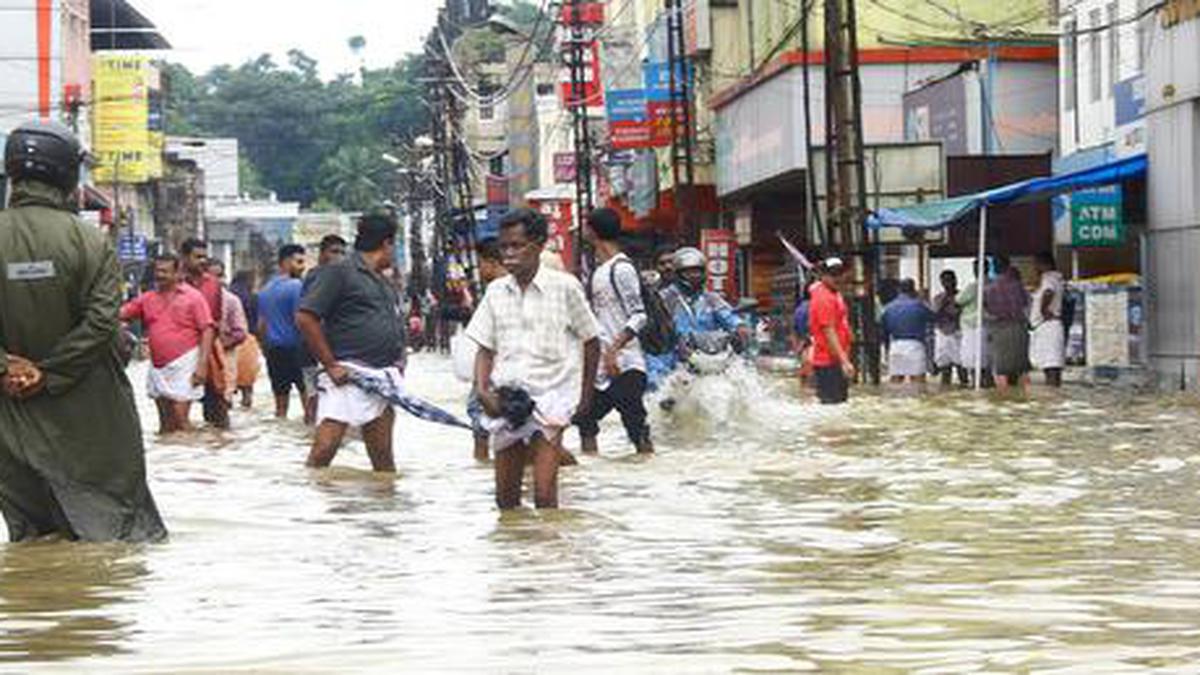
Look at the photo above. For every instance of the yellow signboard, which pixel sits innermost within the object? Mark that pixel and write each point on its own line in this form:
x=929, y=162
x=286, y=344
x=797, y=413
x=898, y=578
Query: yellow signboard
x=124, y=144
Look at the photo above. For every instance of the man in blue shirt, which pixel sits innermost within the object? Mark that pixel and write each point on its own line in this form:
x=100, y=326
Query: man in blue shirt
x=906, y=322
x=278, y=303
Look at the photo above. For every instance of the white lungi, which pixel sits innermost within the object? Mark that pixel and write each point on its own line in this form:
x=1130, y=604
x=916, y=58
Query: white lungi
x=550, y=418
x=969, y=345
x=1048, y=345
x=351, y=405
x=947, y=349
x=907, y=358
x=173, y=381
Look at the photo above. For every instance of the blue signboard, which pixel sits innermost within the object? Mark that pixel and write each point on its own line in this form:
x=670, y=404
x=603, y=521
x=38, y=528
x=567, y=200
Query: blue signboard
x=131, y=248
x=1130, y=99
x=657, y=79
x=626, y=105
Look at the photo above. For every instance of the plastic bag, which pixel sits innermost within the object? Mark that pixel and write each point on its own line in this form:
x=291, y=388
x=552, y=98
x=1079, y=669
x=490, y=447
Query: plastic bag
x=462, y=353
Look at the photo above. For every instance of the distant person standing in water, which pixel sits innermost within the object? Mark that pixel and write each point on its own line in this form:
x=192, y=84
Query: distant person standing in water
x=947, y=334
x=332, y=249
x=181, y=334
x=906, y=322
x=491, y=268
x=1007, y=305
x=829, y=323
x=278, y=303
x=1048, y=343
x=195, y=262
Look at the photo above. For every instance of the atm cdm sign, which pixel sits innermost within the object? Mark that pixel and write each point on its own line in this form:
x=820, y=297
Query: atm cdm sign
x=1096, y=219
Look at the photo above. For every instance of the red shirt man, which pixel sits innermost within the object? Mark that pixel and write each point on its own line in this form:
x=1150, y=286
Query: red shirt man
x=829, y=324
x=175, y=320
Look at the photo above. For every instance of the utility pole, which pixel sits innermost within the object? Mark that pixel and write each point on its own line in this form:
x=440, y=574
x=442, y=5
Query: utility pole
x=845, y=169
x=579, y=44
x=683, y=167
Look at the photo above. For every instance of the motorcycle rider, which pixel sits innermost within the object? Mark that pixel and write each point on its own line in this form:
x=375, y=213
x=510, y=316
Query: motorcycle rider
x=701, y=316
x=72, y=463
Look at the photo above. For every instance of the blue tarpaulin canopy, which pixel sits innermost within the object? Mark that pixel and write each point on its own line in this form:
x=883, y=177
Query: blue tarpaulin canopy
x=940, y=214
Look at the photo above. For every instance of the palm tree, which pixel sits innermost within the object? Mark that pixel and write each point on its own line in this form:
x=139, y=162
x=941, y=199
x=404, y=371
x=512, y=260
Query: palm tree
x=353, y=178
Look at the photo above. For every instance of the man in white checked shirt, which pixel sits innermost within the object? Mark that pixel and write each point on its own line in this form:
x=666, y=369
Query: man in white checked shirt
x=527, y=327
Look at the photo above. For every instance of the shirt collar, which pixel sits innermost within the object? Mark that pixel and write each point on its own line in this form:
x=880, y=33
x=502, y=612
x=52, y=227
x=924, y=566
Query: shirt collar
x=540, y=279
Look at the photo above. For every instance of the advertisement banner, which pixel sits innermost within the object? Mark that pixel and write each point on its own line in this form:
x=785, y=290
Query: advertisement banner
x=656, y=77
x=720, y=247
x=626, y=105
x=497, y=190
x=697, y=27
x=560, y=214
x=123, y=143
x=593, y=94
x=564, y=167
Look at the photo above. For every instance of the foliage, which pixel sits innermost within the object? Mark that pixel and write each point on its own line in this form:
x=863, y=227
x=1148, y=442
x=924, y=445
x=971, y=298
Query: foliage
x=304, y=137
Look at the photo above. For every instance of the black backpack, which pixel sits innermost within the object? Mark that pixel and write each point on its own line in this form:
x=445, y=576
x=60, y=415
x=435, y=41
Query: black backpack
x=658, y=337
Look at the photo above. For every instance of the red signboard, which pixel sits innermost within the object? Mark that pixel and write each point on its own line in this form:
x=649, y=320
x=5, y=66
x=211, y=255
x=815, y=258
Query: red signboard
x=592, y=95
x=560, y=214
x=497, y=190
x=589, y=13
x=720, y=247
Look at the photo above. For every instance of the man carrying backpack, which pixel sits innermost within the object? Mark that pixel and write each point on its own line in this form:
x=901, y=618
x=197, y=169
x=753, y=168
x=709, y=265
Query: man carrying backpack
x=617, y=299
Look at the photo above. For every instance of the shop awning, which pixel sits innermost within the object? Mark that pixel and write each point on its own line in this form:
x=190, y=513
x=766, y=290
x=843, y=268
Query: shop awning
x=946, y=212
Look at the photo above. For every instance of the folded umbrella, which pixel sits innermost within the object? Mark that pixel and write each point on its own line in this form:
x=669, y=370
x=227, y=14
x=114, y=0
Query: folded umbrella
x=388, y=390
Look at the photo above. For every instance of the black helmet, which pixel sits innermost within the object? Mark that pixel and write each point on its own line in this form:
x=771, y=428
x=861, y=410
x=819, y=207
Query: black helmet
x=44, y=151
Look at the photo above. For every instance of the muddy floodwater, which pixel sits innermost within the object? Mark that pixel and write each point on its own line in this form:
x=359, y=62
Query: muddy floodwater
x=943, y=535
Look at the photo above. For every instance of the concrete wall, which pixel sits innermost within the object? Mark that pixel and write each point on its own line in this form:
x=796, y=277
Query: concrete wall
x=1173, y=246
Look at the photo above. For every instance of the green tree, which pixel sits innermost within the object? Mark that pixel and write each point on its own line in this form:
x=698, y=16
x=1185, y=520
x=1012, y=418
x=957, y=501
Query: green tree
x=290, y=123
x=355, y=177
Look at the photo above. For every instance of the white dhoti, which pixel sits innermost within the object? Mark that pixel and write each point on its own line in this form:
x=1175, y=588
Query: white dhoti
x=1048, y=345
x=351, y=405
x=971, y=345
x=173, y=382
x=907, y=358
x=947, y=349
x=551, y=416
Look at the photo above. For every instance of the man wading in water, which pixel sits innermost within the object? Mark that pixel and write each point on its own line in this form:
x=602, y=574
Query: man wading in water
x=526, y=328
x=350, y=319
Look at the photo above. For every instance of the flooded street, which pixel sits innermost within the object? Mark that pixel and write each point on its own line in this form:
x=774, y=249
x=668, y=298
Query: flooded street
x=950, y=534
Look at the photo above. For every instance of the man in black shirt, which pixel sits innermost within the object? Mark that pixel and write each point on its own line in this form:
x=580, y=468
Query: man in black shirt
x=350, y=319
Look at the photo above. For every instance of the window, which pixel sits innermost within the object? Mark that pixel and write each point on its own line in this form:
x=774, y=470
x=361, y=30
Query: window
x=1114, y=48
x=487, y=113
x=1095, y=66
x=545, y=89
x=1070, y=64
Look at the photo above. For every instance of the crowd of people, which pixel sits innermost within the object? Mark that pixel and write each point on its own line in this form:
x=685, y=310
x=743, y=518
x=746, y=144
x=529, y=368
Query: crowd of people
x=1020, y=332
x=547, y=351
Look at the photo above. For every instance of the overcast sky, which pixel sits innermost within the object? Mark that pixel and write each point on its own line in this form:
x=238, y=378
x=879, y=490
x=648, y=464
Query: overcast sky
x=205, y=33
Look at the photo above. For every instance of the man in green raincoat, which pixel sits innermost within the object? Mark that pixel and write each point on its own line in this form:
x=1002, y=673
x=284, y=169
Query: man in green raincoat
x=72, y=462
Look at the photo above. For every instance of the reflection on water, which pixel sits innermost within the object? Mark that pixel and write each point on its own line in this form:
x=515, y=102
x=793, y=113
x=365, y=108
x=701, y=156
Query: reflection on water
x=946, y=534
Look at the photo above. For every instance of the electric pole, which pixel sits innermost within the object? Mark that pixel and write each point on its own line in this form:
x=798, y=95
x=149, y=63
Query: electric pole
x=579, y=44
x=683, y=167
x=845, y=169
